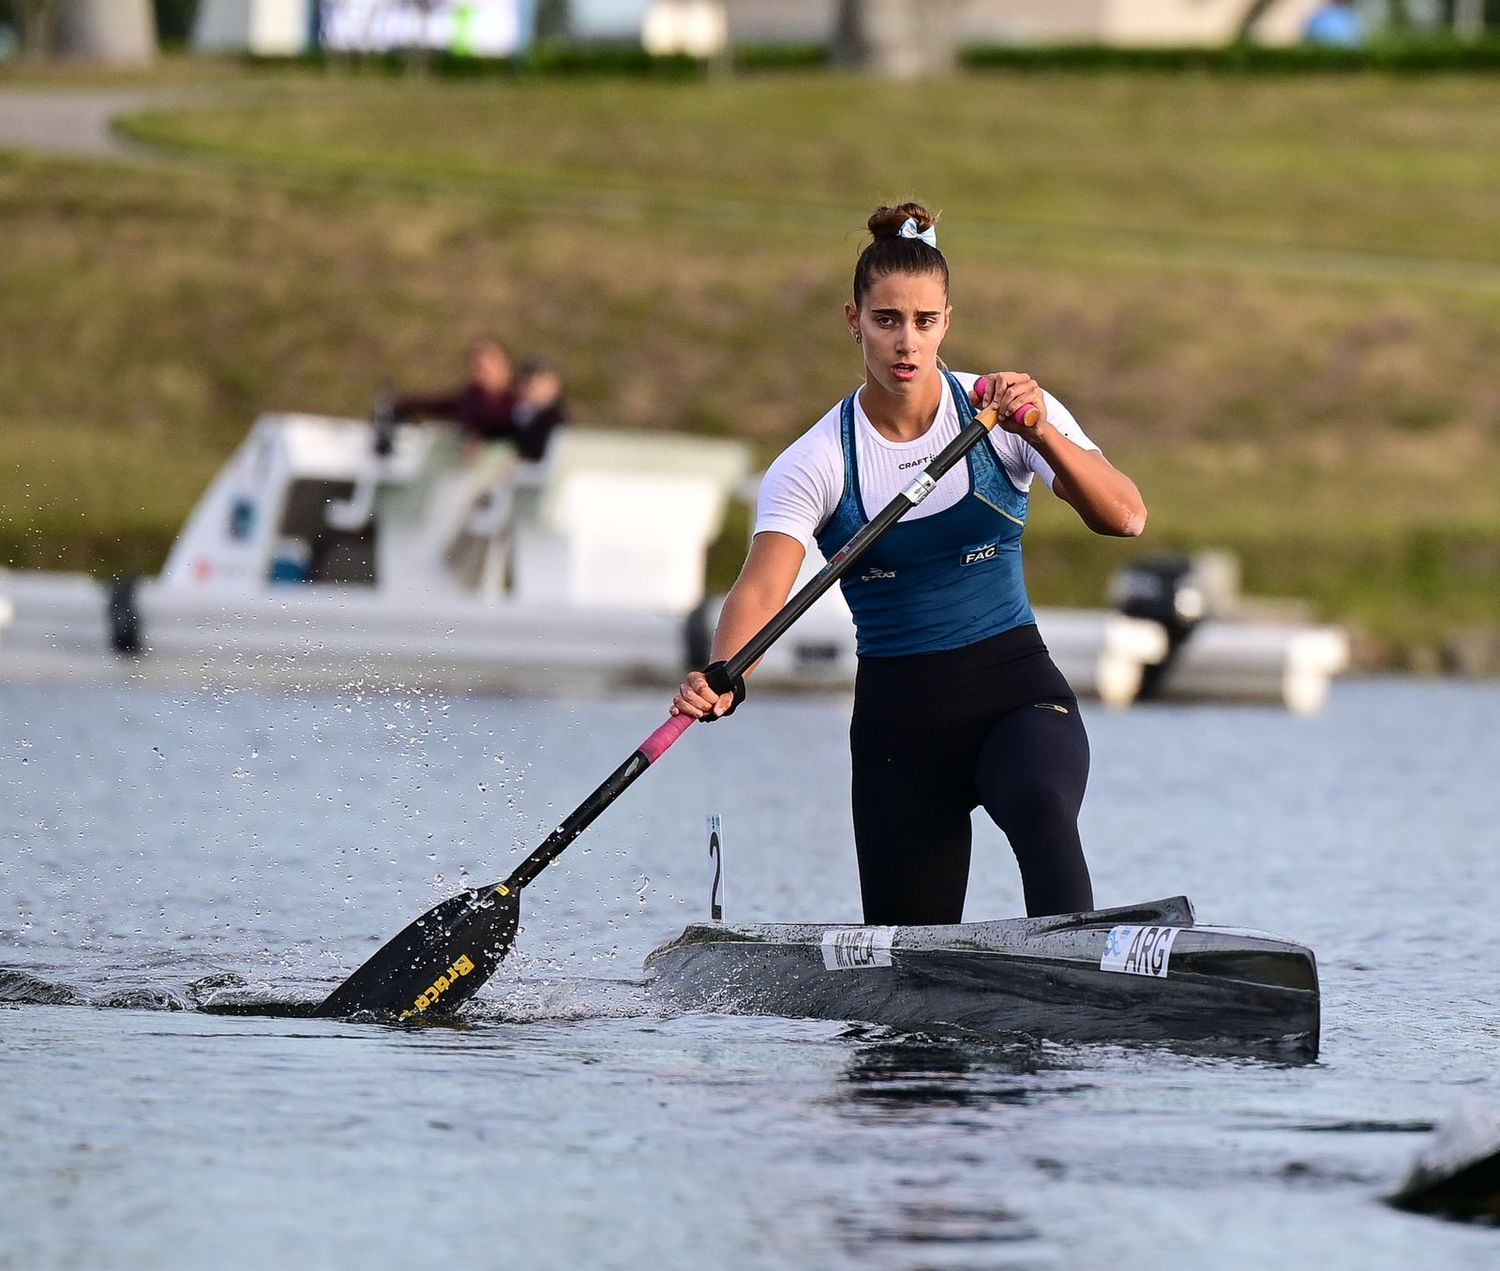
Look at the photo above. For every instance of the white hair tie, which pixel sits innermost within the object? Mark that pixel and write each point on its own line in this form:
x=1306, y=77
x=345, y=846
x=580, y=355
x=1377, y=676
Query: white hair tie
x=909, y=230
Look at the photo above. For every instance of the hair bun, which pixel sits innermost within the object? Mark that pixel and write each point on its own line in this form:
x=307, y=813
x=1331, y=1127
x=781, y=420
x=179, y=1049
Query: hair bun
x=886, y=222
x=903, y=240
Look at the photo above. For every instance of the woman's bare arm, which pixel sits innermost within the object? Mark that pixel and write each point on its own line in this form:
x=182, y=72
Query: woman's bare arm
x=1105, y=499
x=765, y=582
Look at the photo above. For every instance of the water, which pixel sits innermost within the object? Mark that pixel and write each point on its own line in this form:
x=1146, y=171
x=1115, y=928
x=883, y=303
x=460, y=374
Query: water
x=163, y=850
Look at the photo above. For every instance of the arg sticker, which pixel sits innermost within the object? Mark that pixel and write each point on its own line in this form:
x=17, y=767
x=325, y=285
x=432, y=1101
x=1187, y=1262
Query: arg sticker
x=1139, y=950
x=855, y=948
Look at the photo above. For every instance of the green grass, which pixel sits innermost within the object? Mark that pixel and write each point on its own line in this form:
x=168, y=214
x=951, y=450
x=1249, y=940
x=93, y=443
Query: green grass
x=1276, y=302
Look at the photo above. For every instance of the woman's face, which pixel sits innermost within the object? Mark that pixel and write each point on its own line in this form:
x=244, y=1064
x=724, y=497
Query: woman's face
x=901, y=326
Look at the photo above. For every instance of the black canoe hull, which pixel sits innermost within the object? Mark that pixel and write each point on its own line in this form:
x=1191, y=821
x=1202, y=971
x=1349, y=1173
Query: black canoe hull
x=1212, y=989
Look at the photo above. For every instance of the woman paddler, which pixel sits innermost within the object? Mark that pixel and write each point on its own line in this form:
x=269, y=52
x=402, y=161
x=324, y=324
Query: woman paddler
x=957, y=703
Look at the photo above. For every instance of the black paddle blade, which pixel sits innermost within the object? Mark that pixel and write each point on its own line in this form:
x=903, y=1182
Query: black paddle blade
x=438, y=963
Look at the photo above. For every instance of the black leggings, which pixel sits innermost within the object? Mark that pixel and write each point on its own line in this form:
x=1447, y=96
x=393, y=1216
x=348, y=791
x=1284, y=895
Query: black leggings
x=936, y=735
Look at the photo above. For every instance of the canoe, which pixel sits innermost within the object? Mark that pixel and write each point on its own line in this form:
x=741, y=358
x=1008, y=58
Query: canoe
x=1144, y=973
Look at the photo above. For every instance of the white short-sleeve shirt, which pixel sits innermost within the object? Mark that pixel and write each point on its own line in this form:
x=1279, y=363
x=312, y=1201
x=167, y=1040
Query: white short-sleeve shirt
x=802, y=487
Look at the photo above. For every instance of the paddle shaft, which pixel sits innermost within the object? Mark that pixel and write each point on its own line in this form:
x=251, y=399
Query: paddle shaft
x=843, y=560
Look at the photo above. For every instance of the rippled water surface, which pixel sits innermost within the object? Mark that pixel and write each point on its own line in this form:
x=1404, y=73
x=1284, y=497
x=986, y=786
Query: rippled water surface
x=160, y=851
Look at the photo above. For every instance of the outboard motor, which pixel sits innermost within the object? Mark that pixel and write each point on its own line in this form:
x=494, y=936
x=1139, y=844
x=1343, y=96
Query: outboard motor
x=1162, y=589
x=1178, y=592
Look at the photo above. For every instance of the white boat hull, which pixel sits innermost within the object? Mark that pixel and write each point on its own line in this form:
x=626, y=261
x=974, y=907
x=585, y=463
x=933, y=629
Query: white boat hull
x=304, y=637
x=330, y=638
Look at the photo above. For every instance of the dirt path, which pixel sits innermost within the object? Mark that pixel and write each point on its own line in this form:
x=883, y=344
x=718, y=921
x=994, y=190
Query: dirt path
x=66, y=121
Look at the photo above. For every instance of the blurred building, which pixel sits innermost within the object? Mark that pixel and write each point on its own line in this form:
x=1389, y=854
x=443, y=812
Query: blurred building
x=606, y=19
x=281, y=28
x=698, y=28
x=268, y=28
x=475, y=28
x=107, y=32
x=702, y=28
x=1120, y=22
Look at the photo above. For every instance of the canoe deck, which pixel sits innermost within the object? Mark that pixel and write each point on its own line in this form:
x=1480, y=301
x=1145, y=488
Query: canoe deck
x=1142, y=973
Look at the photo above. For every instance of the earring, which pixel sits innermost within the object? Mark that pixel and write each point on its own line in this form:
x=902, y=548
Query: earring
x=856, y=336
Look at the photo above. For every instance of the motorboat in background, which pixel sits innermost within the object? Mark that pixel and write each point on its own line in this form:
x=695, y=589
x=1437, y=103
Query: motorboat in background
x=329, y=552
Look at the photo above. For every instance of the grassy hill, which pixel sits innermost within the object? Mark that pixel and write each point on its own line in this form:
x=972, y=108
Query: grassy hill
x=1275, y=301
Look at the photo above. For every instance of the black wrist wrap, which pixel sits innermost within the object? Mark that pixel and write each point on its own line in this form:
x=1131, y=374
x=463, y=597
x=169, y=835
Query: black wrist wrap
x=719, y=679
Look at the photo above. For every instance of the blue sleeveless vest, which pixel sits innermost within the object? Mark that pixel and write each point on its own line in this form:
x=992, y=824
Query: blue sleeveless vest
x=944, y=581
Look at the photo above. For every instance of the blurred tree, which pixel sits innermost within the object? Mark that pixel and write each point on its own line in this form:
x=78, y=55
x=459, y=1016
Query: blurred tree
x=1253, y=15
x=174, y=20
x=848, y=35
x=553, y=21
x=422, y=57
x=900, y=38
x=33, y=20
x=1467, y=19
x=111, y=32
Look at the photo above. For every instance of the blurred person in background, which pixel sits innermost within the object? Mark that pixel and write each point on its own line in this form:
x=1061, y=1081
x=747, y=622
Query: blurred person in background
x=506, y=418
x=539, y=408
x=1337, y=24
x=496, y=403
x=483, y=406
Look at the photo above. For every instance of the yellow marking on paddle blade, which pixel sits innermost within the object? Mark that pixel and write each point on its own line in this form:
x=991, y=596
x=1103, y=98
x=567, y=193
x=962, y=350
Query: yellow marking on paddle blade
x=462, y=966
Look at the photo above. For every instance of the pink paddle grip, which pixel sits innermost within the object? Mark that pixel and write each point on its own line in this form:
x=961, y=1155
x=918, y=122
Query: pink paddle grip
x=656, y=745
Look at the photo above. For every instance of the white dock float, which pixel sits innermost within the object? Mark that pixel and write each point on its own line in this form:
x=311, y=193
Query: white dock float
x=1102, y=653
x=1275, y=662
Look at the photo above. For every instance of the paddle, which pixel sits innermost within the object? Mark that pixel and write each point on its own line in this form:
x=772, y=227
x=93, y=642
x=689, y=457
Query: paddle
x=443, y=958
